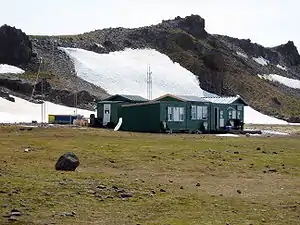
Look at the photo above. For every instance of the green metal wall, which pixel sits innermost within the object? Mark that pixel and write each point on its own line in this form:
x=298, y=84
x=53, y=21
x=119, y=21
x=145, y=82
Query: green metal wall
x=141, y=118
x=180, y=125
x=225, y=108
x=115, y=111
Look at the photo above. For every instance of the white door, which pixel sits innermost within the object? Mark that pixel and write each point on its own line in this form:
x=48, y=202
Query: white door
x=106, y=114
x=222, y=118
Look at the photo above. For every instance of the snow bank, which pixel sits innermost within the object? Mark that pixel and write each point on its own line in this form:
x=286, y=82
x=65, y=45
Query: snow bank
x=271, y=132
x=227, y=135
x=281, y=67
x=25, y=111
x=292, y=83
x=125, y=72
x=241, y=54
x=262, y=61
x=254, y=117
x=4, y=68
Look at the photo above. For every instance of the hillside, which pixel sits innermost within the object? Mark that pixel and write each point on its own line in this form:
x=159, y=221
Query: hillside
x=223, y=65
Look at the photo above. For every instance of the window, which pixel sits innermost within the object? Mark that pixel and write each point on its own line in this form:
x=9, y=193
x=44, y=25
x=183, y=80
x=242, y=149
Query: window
x=194, y=112
x=176, y=114
x=231, y=113
x=199, y=112
x=239, y=115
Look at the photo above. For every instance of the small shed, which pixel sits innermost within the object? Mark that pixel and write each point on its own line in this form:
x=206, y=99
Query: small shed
x=108, y=110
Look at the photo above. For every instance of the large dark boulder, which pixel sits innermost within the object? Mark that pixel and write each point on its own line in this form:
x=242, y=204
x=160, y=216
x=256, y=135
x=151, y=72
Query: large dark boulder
x=195, y=25
x=15, y=46
x=67, y=162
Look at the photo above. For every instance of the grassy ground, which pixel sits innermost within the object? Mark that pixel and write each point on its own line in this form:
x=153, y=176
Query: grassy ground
x=235, y=185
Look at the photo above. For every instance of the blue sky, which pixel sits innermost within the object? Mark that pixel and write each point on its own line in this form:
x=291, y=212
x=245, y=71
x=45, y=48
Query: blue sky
x=268, y=22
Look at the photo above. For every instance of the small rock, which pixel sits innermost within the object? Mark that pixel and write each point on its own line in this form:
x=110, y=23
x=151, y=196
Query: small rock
x=112, y=161
x=110, y=197
x=275, y=153
x=101, y=187
x=15, y=212
x=198, y=185
x=91, y=192
x=71, y=214
x=5, y=205
x=239, y=191
x=181, y=187
x=67, y=162
x=170, y=181
x=258, y=148
x=236, y=152
x=115, y=187
x=120, y=190
x=273, y=170
x=264, y=152
x=126, y=195
x=240, y=159
x=153, y=192
x=162, y=190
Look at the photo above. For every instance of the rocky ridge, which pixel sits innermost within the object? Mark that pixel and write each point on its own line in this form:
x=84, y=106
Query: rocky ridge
x=215, y=59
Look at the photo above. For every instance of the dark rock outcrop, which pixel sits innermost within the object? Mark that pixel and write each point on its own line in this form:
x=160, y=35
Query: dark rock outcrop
x=290, y=53
x=67, y=162
x=15, y=46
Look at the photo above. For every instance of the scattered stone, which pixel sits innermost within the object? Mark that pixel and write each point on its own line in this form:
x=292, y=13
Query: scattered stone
x=2, y=192
x=258, y=148
x=126, y=195
x=247, y=135
x=12, y=218
x=5, y=205
x=120, y=190
x=273, y=170
x=240, y=159
x=275, y=153
x=101, y=187
x=181, y=187
x=153, y=192
x=91, y=192
x=236, y=152
x=71, y=214
x=15, y=191
x=115, y=187
x=264, y=171
x=264, y=152
x=67, y=162
x=111, y=197
x=198, y=185
x=112, y=161
x=170, y=181
x=162, y=190
x=239, y=191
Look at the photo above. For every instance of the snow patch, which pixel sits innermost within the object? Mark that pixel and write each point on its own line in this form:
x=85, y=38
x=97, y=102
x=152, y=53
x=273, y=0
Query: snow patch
x=281, y=67
x=125, y=72
x=99, y=45
x=254, y=117
x=4, y=68
x=242, y=54
x=271, y=132
x=292, y=83
x=227, y=135
x=24, y=111
x=262, y=61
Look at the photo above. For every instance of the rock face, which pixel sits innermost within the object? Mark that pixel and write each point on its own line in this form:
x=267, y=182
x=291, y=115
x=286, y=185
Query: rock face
x=223, y=65
x=15, y=46
x=67, y=162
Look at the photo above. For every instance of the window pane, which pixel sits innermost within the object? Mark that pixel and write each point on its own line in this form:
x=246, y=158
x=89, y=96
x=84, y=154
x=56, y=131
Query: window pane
x=233, y=114
x=176, y=114
x=194, y=112
x=204, y=116
x=181, y=116
x=199, y=112
x=170, y=113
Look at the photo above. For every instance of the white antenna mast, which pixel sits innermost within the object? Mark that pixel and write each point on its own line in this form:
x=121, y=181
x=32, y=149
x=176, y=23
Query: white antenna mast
x=149, y=83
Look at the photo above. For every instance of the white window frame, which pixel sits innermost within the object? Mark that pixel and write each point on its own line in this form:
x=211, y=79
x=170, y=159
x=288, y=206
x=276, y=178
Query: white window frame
x=176, y=114
x=199, y=112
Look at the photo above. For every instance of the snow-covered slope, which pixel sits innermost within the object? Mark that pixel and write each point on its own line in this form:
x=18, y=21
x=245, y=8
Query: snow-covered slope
x=293, y=83
x=125, y=72
x=4, y=68
x=254, y=117
x=25, y=111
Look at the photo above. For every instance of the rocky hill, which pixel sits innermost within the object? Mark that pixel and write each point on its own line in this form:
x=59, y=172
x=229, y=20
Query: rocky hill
x=223, y=65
